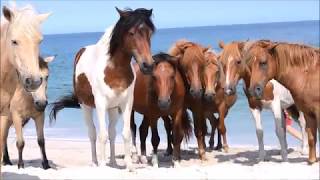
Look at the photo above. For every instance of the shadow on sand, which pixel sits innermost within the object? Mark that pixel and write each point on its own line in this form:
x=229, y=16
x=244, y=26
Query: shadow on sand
x=15, y=176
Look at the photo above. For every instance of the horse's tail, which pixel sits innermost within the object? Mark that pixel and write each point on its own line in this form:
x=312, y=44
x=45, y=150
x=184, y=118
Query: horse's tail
x=69, y=101
x=186, y=125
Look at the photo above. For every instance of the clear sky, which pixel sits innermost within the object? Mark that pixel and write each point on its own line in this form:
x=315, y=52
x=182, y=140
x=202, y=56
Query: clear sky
x=71, y=16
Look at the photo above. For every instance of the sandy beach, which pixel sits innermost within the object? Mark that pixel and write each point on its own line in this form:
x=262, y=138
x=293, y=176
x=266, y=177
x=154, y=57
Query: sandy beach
x=70, y=159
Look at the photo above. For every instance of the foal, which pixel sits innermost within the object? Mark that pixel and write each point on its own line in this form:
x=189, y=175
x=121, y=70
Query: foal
x=161, y=94
x=215, y=101
x=23, y=106
x=276, y=97
x=104, y=79
x=296, y=67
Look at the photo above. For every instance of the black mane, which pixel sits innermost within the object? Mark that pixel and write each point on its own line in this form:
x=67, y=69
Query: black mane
x=164, y=57
x=132, y=19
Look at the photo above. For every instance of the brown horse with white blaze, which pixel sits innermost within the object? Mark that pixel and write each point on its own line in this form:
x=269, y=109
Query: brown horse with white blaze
x=158, y=95
x=295, y=66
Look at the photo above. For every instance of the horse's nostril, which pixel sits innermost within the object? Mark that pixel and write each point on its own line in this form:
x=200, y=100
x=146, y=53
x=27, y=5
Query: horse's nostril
x=28, y=81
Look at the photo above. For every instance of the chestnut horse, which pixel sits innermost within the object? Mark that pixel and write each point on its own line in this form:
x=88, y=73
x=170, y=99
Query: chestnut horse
x=191, y=64
x=104, y=79
x=25, y=105
x=295, y=66
x=215, y=100
x=275, y=97
x=161, y=94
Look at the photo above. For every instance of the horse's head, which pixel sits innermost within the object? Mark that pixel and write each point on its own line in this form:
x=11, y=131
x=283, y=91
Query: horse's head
x=234, y=66
x=213, y=75
x=23, y=39
x=192, y=61
x=39, y=96
x=262, y=66
x=132, y=34
x=163, y=74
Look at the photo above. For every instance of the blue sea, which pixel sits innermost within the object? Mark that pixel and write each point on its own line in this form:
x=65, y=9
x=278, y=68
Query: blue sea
x=239, y=122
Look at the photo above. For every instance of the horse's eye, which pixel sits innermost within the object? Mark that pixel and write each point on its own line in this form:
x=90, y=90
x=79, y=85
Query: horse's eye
x=14, y=42
x=131, y=33
x=238, y=62
x=263, y=64
x=47, y=77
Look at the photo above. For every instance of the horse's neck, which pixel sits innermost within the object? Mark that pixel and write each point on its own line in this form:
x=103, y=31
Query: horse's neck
x=246, y=78
x=121, y=59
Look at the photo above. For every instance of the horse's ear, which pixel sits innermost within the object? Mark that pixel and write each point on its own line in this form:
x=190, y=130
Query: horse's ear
x=149, y=13
x=8, y=14
x=49, y=59
x=122, y=13
x=241, y=46
x=43, y=17
x=221, y=44
x=206, y=49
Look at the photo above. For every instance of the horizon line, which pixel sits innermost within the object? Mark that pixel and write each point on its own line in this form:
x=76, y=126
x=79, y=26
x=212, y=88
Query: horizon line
x=275, y=22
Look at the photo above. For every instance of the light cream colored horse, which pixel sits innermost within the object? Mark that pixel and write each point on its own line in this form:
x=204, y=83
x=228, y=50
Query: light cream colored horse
x=23, y=106
x=20, y=39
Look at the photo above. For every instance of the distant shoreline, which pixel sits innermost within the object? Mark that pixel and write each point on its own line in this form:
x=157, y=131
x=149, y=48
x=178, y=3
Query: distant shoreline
x=209, y=26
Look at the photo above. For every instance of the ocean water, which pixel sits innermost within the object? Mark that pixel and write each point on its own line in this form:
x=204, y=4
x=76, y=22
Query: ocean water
x=239, y=122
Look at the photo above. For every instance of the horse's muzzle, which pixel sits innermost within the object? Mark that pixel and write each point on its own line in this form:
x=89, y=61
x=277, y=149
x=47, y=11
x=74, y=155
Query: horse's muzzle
x=209, y=96
x=164, y=104
x=40, y=105
x=256, y=91
x=230, y=90
x=197, y=94
x=146, y=68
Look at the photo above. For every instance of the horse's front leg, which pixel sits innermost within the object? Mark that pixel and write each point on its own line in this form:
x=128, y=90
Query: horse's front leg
x=39, y=120
x=113, y=119
x=168, y=127
x=222, y=127
x=280, y=129
x=5, y=126
x=256, y=113
x=304, y=143
x=155, y=140
x=177, y=132
x=133, y=127
x=101, y=104
x=17, y=122
x=126, y=108
x=199, y=131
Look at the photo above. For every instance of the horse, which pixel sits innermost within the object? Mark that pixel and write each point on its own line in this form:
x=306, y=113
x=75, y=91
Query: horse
x=20, y=39
x=25, y=105
x=191, y=62
x=104, y=79
x=215, y=101
x=296, y=67
x=276, y=98
x=158, y=95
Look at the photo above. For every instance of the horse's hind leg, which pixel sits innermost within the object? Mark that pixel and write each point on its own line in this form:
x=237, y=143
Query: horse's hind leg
x=168, y=127
x=5, y=126
x=113, y=118
x=304, y=144
x=17, y=122
x=312, y=138
x=133, y=127
x=87, y=112
x=41, y=142
x=256, y=113
x=143, y=131
x=155, y=140
x=280, y=129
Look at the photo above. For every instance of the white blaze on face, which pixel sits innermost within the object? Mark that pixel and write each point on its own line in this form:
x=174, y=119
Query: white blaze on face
x=229, y=60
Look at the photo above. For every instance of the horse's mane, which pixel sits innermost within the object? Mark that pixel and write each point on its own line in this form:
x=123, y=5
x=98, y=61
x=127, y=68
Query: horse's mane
x=42, y=63
x=105, y=38
x=134, y=18
x=164, y=57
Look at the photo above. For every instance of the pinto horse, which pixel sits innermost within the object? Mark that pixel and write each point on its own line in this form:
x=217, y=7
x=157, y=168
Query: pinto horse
x=215, y=101
x=191, y=63
x=276, y=97
x=296, y=67
x=104, y=79
x=161, y=94
x=25, y=105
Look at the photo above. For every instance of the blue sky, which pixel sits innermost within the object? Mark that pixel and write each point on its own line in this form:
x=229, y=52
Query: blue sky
x=94, y=16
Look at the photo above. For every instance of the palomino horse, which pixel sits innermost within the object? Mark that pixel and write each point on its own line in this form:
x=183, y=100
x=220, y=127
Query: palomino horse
x=104, y=78
x=161, y=94
x=215, y=101
x=23, y=106
x=191, y=63
x=275, y=97
x=20, y=38
x=296, y=67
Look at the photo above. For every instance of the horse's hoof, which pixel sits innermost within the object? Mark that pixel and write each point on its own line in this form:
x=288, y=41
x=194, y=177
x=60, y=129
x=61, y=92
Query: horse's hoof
x=7, y=162
x=113, y=163
x=130, y=167
x=45, y=165
x=176, y=164
x=218, y=147
x=311, y=161
x=102, y=163
x=154, y=161
x=225, y=148
x=144, y=159
x=135, y=158
x=20, y=165
x=94, y=164
x=168, y=152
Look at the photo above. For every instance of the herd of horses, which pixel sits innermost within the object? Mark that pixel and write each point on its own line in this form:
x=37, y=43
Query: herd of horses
x=189, y=76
